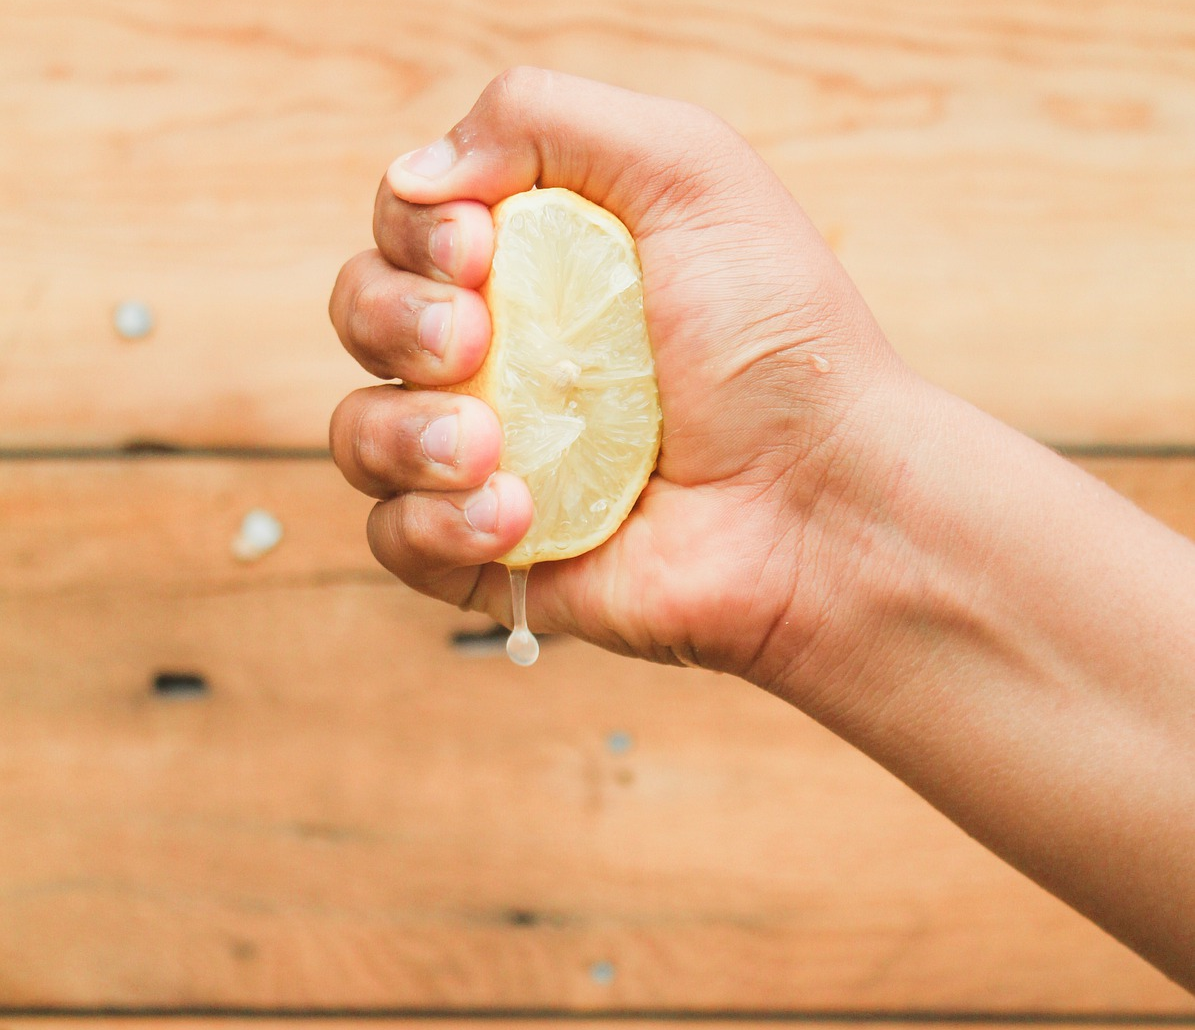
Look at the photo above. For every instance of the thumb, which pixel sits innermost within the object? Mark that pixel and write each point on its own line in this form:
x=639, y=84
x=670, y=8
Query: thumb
x=622, y=150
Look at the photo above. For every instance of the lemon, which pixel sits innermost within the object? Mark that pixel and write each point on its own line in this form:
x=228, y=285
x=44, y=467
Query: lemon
x=569, y=370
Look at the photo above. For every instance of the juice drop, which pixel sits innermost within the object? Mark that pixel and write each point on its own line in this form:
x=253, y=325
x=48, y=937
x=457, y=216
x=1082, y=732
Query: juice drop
x=521, y=647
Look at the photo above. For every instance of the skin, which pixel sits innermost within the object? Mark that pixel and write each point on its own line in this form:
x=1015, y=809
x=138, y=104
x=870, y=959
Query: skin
x=1000, y=630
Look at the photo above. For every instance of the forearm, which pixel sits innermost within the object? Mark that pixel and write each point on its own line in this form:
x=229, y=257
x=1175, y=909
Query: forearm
x=1031, y=672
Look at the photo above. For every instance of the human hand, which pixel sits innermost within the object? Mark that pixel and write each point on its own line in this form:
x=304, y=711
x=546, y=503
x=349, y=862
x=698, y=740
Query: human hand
x=773, y=378
x=935, y=587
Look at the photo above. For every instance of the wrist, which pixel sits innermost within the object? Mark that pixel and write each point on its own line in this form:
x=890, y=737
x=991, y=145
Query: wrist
x=1021, y=655
x=898, y=549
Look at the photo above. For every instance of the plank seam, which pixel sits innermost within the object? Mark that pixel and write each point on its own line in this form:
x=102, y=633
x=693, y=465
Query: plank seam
x=877, y=1017
x=156, y=451
x=1125, y=451
x=164, y=451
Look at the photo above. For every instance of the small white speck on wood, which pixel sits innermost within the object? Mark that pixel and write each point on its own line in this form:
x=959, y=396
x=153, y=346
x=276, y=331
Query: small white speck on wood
x=259, y=534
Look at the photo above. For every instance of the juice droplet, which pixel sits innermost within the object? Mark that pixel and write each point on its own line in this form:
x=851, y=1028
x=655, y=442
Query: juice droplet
x=521, y=647
x=819, y=362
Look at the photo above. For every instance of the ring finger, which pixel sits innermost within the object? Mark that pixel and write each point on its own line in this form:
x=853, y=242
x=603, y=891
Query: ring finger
x=386, y=440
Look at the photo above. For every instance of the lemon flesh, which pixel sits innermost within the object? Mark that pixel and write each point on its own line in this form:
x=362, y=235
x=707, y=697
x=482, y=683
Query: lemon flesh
x=569, y=370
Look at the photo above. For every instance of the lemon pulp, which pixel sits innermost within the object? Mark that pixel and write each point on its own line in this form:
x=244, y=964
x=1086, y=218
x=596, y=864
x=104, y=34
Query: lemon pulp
x=569, y=372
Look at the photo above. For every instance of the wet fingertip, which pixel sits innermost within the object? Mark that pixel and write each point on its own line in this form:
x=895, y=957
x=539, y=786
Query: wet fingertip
x=471, y=339
x=515, y=504
x=481, y=510
x=395, y=180
x=414, y=174
x=478, y=459
x=474, y=244
x=501, y=508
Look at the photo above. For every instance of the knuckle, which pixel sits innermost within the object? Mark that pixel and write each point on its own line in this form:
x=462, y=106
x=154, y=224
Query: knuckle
x=336, y=294
x=709, y=122
x=383, y=533
x=712, y=139
x=368, y=438
x=362, y=308
x=398, y=536
x=378, y=222
x=384, y=203
x=337, y=431
x=412, y=532
x=341, y=301
x=516, y=89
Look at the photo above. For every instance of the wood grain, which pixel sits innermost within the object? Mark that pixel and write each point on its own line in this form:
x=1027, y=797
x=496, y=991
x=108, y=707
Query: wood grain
x=1010, y=183
x=354, y=815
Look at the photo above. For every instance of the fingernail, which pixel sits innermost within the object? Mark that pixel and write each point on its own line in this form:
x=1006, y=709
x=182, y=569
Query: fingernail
x=439, y=439
x=435, y=323
x=442, y=245
x=428, y=162
x=481, y=512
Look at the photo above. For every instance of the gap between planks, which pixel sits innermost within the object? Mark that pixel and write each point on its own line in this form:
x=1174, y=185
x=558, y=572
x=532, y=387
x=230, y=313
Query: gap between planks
x=199, y=1018
x=159, y=451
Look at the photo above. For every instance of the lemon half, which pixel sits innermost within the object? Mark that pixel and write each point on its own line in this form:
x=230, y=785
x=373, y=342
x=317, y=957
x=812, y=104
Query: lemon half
x=569, y=370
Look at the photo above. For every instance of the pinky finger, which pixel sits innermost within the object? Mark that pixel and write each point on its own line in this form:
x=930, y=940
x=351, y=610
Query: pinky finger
x=437, y=542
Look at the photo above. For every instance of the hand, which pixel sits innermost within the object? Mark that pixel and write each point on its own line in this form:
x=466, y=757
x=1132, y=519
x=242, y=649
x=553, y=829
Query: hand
x=998, y=629
x=764, y=354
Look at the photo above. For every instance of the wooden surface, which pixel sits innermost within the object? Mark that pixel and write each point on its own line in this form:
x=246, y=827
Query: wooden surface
x=1009, y=182
x=356, y=816
x=487, y=1023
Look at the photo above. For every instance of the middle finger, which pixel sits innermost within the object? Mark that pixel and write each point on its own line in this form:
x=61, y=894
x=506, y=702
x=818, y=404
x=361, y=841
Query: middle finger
x=399, y=325
x=451, y=242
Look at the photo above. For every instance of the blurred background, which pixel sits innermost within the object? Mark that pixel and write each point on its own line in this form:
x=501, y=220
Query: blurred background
x=244, y=774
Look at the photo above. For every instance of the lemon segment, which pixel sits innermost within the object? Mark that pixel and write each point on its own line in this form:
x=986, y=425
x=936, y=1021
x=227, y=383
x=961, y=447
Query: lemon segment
x=569, y=370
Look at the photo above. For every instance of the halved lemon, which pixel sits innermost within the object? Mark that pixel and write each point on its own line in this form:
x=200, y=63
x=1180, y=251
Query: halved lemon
x=569, y=370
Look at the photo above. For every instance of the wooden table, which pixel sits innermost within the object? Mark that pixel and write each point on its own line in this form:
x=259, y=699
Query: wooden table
x=289, y=787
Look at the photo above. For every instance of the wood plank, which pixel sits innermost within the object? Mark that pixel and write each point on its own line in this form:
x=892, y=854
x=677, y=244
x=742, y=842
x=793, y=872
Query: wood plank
x=736, y=1021
x=354, y=815
x=1009, y=183
x=438, y=1023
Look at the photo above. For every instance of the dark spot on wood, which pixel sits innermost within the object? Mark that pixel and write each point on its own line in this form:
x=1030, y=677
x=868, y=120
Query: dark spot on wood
x=179, y=685
x=139, y=447
x=485, y=642
x=480, y=642
x=242, y=950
